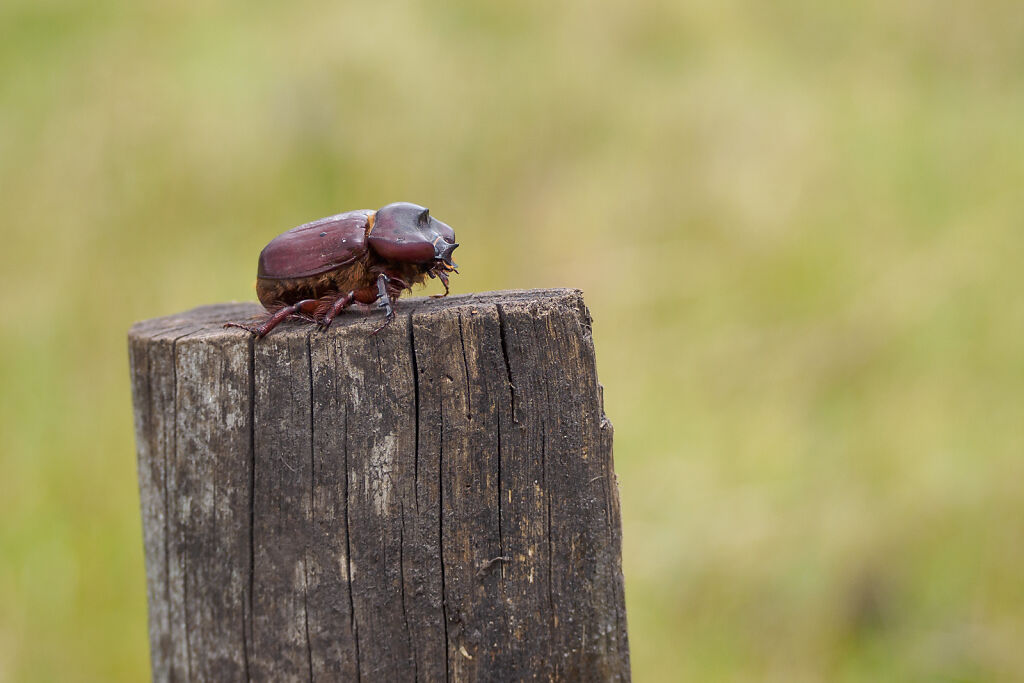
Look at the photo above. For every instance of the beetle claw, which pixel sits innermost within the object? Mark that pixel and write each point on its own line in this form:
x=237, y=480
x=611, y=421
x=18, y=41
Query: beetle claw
x=388, y=317
x=389, y=311
x=247, y=328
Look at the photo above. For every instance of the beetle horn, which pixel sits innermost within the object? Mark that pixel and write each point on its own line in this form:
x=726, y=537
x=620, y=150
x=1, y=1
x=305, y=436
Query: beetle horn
x=443, y=251
x=425, y=217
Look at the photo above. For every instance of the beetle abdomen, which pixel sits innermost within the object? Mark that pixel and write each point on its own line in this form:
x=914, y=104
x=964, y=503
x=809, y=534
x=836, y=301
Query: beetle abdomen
x=314, y=248
x=274, y=292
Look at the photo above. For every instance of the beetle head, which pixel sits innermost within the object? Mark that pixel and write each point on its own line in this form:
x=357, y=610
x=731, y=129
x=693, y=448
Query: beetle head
x=407, y=233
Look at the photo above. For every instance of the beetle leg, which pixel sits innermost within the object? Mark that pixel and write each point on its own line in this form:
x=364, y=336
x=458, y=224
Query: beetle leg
x=387, y=321
x=443, y=277
x=336, y=307
x=396, y=283
x=384, y=300
x=306, y=306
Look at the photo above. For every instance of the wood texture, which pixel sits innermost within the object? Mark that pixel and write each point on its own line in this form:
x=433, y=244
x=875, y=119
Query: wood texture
x=434, y=502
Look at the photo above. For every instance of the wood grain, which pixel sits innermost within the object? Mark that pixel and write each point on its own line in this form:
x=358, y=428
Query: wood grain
x=434, y=502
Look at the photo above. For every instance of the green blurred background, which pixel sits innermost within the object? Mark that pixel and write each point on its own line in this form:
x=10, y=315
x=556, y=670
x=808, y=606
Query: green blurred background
x=797, y=225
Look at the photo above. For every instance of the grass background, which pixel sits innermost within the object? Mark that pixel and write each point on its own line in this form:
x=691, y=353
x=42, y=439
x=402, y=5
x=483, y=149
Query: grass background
x=797, y=225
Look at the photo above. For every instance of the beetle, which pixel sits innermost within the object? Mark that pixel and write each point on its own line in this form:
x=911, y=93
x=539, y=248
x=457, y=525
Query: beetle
x=315, y=270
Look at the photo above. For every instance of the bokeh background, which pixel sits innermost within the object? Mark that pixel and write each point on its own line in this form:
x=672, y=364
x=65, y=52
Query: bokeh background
x=798, y=228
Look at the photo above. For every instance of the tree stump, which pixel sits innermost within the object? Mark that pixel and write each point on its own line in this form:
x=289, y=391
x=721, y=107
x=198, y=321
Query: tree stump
x=433, y=502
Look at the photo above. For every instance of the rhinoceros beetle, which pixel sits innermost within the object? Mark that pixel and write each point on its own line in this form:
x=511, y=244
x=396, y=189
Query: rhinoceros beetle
x=315, y=270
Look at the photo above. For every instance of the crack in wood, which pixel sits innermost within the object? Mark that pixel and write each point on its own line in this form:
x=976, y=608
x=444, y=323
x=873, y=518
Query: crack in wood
x=416, y=402
x=348, y=548
x=502, y=327
x=440, y=535
x=312, y=509
x=465, y=367
x=401, y=568
x=180, y=547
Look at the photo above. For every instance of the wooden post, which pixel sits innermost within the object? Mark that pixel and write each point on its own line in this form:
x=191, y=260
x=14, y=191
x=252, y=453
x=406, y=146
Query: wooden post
x=434, y=502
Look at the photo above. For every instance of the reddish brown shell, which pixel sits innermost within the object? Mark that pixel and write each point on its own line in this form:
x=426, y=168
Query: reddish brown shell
x=407, y=233
x=313, y=248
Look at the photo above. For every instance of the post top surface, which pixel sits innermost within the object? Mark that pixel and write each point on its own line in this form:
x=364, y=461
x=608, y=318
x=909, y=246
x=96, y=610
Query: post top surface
x=207, y=321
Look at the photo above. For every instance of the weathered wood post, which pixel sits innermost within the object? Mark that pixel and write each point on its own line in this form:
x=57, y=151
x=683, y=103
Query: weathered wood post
x=434, y=502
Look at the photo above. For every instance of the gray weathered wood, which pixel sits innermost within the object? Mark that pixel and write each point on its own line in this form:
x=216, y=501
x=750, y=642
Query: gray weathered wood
x=434, y=502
